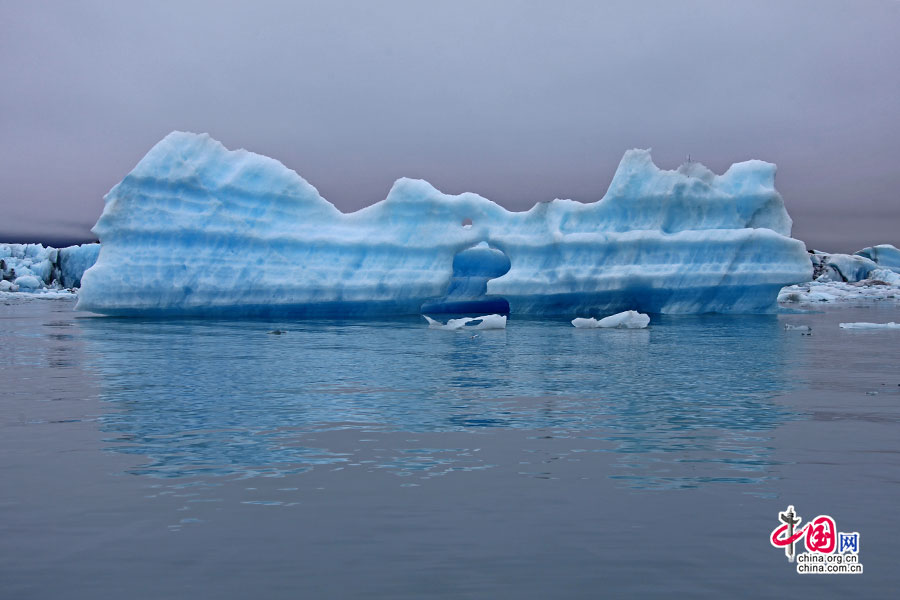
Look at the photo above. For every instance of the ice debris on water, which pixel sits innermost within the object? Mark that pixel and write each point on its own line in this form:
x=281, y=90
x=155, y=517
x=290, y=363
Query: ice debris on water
x=863, y=325
x=484, y=322
x=630, y=319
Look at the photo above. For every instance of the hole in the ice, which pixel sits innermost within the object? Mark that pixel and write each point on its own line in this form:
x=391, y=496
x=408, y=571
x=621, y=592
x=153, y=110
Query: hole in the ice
x=467, y=292
x=467, y=223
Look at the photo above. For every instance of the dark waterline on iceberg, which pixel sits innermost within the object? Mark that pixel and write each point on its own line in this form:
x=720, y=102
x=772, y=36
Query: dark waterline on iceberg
x=352, y=459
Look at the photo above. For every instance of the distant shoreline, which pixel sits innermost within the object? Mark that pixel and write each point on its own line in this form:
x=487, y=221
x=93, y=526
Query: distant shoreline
x=52, y=241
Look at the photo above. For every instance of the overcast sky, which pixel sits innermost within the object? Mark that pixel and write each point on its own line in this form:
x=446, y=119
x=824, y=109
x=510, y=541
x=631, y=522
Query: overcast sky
x=517, y=101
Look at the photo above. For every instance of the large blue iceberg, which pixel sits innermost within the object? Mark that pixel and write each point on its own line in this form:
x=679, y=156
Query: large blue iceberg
x=196, y=229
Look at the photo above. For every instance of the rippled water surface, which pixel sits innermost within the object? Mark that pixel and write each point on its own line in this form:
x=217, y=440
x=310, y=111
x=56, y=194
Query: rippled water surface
x=186, y=458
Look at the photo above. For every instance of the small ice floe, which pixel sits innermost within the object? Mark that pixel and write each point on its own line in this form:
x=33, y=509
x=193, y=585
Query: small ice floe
x=803, y=328
x=890, y=325
x=630, y=319
x=484, y=322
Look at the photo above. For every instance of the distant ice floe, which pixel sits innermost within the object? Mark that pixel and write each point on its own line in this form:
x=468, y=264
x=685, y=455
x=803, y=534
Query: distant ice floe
x=789, y=327
x=484, y=322
x=890, y=325
x=630, y=319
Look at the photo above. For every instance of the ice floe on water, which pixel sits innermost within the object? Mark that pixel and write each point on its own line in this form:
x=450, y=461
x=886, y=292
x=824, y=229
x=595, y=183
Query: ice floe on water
x=630, y=319
x=890, y=325
x=483, y=322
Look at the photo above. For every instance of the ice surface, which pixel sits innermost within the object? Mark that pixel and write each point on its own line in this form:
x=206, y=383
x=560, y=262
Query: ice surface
x=789, y=327
x=483, y=322
x=630, y=319
x=884, y=255
x=198, y=229
x=890, y=325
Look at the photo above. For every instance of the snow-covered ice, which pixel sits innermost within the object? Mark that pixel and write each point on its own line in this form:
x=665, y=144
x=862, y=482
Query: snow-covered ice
x=483, y=322
x=198, y=229
x=890, y=325
x=629, y=319
x=790, y=327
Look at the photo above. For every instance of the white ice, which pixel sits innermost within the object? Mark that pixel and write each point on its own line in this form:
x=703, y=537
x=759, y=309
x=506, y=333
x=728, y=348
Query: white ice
x=630, y=319
x=890, y=325
x=483, y=322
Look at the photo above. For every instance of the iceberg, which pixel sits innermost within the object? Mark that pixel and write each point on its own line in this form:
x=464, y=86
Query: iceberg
x=630, y=319
x=196, y=229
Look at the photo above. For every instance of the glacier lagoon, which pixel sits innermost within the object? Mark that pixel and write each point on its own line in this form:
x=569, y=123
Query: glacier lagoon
x=387, y=460
x=386, y=456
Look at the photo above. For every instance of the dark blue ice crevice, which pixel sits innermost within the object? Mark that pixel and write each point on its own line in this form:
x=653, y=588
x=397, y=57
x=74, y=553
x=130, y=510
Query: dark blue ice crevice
x=467, y=292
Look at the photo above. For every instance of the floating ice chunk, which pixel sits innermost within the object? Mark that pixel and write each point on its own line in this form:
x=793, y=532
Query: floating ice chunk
x=630, y=319
x=890, y=325
x=8, y=286
x=485, y=322
x=789, y=327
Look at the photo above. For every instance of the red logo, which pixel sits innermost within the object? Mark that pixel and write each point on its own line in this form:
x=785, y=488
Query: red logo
x=821, y=533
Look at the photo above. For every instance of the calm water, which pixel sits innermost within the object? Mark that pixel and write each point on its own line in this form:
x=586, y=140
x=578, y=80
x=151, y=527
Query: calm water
x=185, y=459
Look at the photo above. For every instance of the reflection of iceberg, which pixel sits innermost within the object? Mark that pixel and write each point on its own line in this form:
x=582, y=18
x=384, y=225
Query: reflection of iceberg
x=197, y=230
x=226, y=398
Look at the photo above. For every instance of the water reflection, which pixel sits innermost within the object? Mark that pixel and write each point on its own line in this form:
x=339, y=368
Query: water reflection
x=681, y=404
